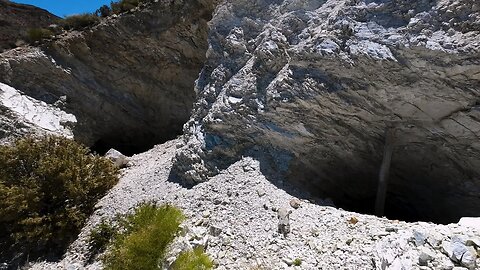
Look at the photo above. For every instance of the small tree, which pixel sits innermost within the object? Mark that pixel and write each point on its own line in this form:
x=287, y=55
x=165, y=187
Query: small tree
x=103, y=11
x=195, y=259
x=145, y=238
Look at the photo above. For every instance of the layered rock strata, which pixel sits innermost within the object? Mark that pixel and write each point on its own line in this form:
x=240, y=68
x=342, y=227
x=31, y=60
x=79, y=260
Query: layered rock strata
x=128, y=81
x=317, y=83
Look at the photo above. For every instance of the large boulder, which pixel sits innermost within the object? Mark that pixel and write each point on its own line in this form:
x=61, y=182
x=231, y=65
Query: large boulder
x=316, y=84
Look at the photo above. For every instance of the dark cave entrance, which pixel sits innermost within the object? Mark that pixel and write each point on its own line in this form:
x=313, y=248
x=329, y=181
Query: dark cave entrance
x=133, y=142
x=417, y=190
x=102, y=146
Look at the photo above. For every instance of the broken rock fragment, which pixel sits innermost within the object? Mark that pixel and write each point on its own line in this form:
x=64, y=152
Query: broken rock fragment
x=118, y=159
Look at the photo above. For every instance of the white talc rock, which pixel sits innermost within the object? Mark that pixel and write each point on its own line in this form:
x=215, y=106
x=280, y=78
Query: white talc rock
x=38, y=114
x=470, y=222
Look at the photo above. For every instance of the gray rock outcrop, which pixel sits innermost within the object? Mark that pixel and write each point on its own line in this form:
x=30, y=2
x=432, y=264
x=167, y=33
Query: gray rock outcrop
x=313, y=83
x=317, y=83
x=128, y=81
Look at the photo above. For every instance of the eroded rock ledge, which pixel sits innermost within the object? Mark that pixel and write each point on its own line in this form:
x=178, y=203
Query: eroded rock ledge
x=129, y=81
x=317, y=83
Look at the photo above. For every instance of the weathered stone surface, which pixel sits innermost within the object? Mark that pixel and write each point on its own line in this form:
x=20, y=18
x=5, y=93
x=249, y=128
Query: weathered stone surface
x=470, y=222
x=458, y=252
x=425, y=256
x=118, y=159
x=317, y=83
x=284, y=220
x=295, y=203
x=22, y=115
x=419, y=238
x=469, y=258
x=132, y=74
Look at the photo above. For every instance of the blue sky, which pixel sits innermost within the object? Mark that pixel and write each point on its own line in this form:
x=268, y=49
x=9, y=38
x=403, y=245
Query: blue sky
x=66, y=7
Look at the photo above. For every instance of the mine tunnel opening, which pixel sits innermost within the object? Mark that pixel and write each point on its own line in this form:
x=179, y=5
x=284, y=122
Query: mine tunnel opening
x=102, y=146
x=417, y=190
x=132, y=142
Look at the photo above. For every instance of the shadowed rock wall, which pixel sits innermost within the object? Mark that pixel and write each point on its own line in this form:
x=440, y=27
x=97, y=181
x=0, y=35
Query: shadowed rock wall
x=129, y=81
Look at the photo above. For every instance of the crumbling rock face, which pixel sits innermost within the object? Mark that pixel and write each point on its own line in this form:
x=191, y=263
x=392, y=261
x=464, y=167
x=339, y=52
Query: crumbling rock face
x=22, y=115
x=16, y=19
x=129, y=81
x=318, y=83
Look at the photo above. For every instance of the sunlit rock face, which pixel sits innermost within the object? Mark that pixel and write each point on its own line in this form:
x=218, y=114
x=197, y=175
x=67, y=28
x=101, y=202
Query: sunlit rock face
x=317, y=83
x=23, y=115
x=129, y=81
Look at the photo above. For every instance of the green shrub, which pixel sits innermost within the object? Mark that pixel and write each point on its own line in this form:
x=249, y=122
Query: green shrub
x=38, y=34
x=100, y=237
x=196, y=259
x=145, y=237
x=80, y=21
x=48, y=188
x=297, y=262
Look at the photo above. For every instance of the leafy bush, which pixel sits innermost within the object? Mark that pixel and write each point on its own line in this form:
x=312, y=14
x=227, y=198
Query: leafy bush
x=297, y=262
x=100, y=237
x=145, y=237
x=80, y=21
x=38, y=34
x=193, y=260
x=48, y=188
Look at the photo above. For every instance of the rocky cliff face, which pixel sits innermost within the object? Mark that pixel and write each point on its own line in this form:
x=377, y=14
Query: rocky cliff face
x=16, y=19
x=293, y=102
x=318, y=83
x=314, y=84
x=128, y=81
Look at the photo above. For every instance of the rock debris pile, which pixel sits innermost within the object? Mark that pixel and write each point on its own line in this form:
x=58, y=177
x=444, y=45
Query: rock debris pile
x=235, y=216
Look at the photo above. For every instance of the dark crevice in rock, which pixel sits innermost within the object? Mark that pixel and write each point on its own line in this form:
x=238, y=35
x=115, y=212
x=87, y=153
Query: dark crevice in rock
x=134, y=141
x=420, y=188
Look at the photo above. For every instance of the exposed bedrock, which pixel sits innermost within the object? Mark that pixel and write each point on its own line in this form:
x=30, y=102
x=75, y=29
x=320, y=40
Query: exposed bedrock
x=129, y=81
x=317, y=83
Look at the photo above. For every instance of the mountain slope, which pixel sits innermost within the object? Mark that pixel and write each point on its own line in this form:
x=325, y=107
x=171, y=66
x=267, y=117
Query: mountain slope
x=16, y=19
